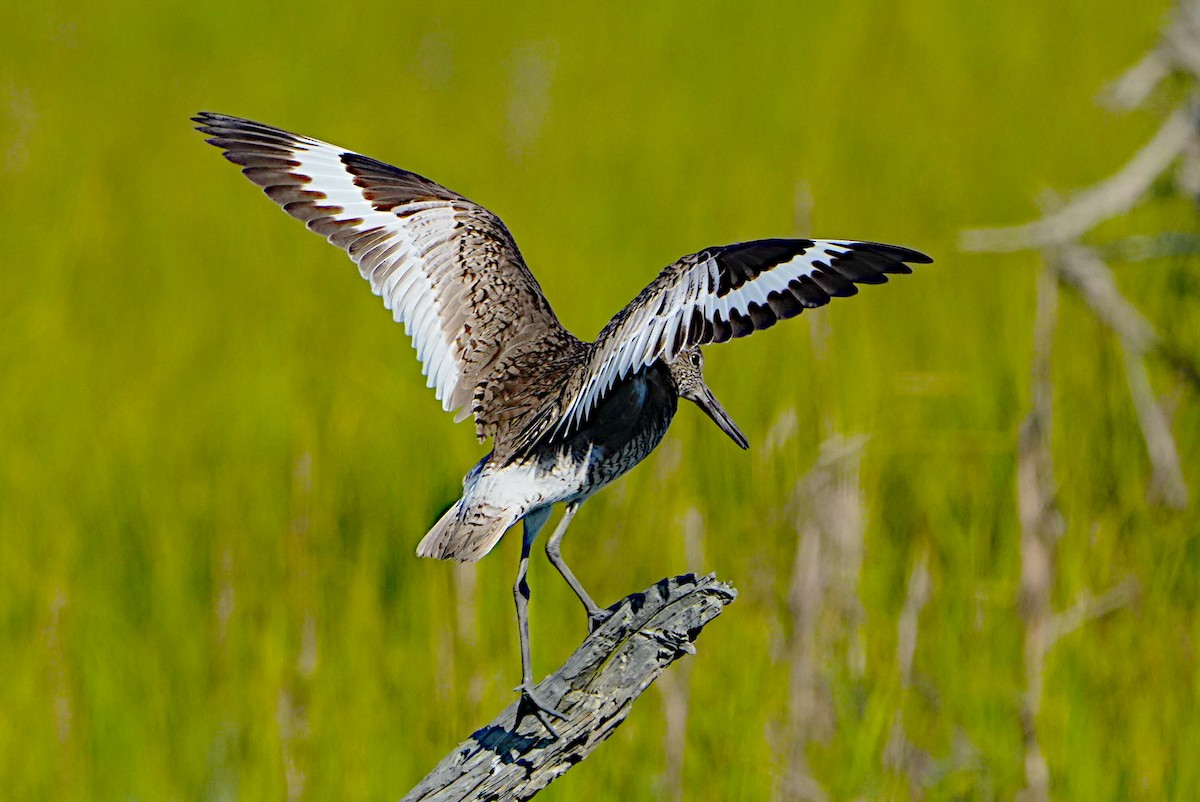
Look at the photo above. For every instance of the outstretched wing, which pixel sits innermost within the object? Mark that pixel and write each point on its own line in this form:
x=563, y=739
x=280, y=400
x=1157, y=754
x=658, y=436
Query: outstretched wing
x=446, y=267
x=722, y=293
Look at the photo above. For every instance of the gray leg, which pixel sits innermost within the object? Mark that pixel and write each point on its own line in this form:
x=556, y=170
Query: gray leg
x=529, y=703
x=596, y=616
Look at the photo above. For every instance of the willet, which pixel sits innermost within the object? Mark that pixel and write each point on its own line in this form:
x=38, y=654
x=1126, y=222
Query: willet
x=566, y=417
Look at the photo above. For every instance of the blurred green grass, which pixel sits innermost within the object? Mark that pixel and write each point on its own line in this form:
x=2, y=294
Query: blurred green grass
x=217, y=453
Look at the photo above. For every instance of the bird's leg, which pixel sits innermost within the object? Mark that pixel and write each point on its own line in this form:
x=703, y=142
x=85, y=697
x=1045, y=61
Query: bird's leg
x=595, y=615
x=529, y=703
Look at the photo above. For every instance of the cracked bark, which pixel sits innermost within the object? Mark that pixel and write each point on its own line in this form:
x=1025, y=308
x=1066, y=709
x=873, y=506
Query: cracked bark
x=595, y=689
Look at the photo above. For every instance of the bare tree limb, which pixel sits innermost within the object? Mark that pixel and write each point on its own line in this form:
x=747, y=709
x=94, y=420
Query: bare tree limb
x=1178, y=53
x=1115, y=195
x=1138, y=82
x=1084, y=271
x=1041, y=526
x=595, y=689
x=901, y=754
x=828, y=507
x=1181, y=41
x=1066, y=261
x=1166, y=478
x=1089, y=608
x=908, y=622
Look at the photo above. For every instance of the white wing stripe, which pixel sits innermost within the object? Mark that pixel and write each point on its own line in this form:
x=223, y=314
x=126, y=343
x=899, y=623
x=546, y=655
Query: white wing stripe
x=387, y=261
x=649, y=328
x=423, y=248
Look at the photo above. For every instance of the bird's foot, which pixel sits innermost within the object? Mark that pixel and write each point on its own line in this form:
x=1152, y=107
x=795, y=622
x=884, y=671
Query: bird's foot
x=597, y=619
x=531, y=705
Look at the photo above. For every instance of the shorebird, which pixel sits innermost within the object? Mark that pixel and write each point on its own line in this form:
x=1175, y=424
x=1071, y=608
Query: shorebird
x=566, y=417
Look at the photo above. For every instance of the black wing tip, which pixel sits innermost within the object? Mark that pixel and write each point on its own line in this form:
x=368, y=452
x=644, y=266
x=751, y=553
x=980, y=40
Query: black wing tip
x=798, y=245
x=801, y=244
x=216, y=118
x=207, y=120
x=896, y=252
x=230, y=127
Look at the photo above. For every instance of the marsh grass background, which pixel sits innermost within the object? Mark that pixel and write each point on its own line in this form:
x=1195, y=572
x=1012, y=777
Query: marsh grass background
x=217, y=453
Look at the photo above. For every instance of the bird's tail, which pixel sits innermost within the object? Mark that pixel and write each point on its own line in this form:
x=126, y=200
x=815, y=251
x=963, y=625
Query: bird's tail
x=466, y=533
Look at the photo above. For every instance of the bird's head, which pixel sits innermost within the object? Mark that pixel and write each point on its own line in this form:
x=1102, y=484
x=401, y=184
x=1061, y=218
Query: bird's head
x=687, y=371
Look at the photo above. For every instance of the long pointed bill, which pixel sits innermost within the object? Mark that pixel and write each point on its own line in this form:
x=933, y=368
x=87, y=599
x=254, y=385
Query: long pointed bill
x=708, y=402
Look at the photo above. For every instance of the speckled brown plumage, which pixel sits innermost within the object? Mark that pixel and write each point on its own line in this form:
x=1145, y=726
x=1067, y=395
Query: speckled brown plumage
x=565, y=417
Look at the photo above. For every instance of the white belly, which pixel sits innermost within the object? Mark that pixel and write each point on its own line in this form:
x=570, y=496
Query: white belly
x=526, y=486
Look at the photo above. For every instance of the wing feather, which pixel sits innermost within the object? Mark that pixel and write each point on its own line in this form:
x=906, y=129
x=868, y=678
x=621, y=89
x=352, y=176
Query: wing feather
x=720, y=294
x=446, y=267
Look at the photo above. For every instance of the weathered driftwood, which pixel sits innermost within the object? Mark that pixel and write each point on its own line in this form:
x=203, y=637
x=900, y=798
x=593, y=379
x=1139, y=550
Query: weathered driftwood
x=594, y=689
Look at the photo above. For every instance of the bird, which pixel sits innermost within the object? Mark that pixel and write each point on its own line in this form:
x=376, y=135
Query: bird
x=566, y=417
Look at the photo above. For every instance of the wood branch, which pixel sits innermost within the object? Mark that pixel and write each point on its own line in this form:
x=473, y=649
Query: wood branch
x=1115, y=195
x=1089, y=608
x=1068, y=262
x=909, y=620
x=1144, y=247
x=595, y=689
x=1138, y=82
x=1084, y=270
x=1041, y=526
x=1181, y=42
x=901, y=754
x=827, y=508
x=1166, y=478
x=1178, y=53
x=1086, y=273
